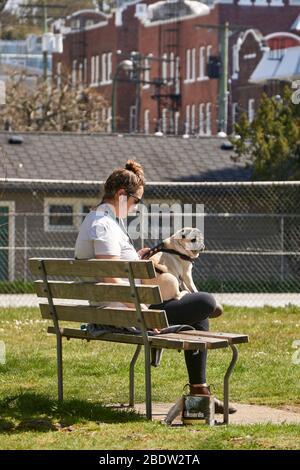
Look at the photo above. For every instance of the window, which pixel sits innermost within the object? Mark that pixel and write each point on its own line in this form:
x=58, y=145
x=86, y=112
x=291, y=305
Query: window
x=177, y=76
x=61, y=216
x=146, y=121
x=202, y=63
x=75, y=24
x=74, y=73
x=172, y=67
x=80, y=74
x=251, y=109
x=164, y=120
x=235, y=61
x=104, y=68
x=201, y=119
x=176, y=123
x=97, y=71
x=58, y=75
x=109, y=67
x=146, y=73
x=89, y=23
x=187, y=119
x=188, y=65
x=85, y=70
x=208, y=119
x=92, y=70
x=65, y=214
x=234, y=114
x=208, y=52
x=193, y=117
x=165, y=67
x=193, y=71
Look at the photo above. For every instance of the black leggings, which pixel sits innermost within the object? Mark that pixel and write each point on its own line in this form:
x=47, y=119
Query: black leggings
x=192, y=309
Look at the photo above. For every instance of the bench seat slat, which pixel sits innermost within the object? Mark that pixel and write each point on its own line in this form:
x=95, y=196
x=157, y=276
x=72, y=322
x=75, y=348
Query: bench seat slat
x=168, y=341
x=99, y=292
x=211, y=343
x=142, y=269
x=232, y=338
x=106, y=316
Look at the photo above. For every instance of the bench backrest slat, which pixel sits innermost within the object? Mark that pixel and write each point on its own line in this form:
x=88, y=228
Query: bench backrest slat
x=98, y=292
x=69, y=267
x=83, y=280
x=109, y=316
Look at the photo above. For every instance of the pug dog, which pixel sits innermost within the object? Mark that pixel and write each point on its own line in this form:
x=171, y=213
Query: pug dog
x=173, y=261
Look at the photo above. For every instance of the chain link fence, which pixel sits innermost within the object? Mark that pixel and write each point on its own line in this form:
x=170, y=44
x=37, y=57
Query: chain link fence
x=252, y=232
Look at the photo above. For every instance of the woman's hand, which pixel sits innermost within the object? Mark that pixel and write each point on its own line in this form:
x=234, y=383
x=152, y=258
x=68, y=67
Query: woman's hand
x=143, y=251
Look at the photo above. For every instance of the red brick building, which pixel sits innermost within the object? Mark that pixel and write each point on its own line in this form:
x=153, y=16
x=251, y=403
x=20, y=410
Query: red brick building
x=173, y=41
x=255, y=60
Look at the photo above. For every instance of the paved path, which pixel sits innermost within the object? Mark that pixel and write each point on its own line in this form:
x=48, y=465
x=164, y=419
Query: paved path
x=246, y=414
x=237, y=300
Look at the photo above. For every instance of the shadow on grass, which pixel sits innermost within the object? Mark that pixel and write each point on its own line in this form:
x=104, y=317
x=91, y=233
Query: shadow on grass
x=35, y=412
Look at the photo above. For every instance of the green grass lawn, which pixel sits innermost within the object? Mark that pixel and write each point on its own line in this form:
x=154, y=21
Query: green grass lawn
x=96, y=374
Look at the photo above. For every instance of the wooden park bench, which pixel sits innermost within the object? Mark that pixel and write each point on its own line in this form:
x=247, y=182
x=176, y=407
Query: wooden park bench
x=88, y=289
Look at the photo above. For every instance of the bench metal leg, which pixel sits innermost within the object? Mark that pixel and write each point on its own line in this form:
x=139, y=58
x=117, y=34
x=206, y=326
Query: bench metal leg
x=131, y=375
x=148, y=381
x=59, y=366
x=226, y=382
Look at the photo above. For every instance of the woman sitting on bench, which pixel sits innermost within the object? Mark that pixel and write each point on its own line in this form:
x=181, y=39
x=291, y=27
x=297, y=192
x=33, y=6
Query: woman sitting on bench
x=103, y=235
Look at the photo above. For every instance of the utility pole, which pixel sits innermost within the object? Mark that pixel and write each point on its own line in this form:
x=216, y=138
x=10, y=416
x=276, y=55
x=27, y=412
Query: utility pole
x=45, y=46
x=223, y=83
x=225, y=31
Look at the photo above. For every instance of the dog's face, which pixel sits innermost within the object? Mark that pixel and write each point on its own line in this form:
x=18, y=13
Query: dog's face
x=189, y=241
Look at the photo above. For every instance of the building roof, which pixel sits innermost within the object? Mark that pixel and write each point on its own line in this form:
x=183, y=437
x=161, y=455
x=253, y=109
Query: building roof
x=169, y=9
x=66, y=156
x=283, y=65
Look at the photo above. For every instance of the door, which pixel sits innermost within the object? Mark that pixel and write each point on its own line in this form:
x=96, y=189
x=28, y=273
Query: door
x=4, y=243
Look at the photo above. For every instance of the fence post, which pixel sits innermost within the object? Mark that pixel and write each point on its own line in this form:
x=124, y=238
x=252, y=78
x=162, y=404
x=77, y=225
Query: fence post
x=282, y=248
x=25, y=246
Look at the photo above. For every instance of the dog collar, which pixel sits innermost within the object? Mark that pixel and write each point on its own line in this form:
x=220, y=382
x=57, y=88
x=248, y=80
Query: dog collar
x=174, y=252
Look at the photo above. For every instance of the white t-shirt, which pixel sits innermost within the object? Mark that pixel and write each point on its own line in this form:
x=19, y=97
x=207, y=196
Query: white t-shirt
x=101, y=234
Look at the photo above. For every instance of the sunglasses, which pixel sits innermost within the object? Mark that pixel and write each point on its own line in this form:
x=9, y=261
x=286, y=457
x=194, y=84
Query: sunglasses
x=137, y=199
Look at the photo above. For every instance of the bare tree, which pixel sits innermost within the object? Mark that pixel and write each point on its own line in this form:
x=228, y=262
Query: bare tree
x=49, y=107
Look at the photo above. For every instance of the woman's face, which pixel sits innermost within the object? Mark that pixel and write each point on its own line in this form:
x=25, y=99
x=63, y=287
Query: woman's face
x=127, y=201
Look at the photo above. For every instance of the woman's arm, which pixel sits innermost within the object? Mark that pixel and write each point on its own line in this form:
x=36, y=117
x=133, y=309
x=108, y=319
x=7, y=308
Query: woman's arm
x=117, y=280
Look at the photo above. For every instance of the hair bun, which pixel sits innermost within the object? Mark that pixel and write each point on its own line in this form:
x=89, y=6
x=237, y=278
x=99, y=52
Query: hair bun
x=135, y=167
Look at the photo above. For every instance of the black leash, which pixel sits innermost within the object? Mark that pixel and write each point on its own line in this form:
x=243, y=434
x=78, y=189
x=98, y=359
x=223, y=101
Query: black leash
x=160, y=247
